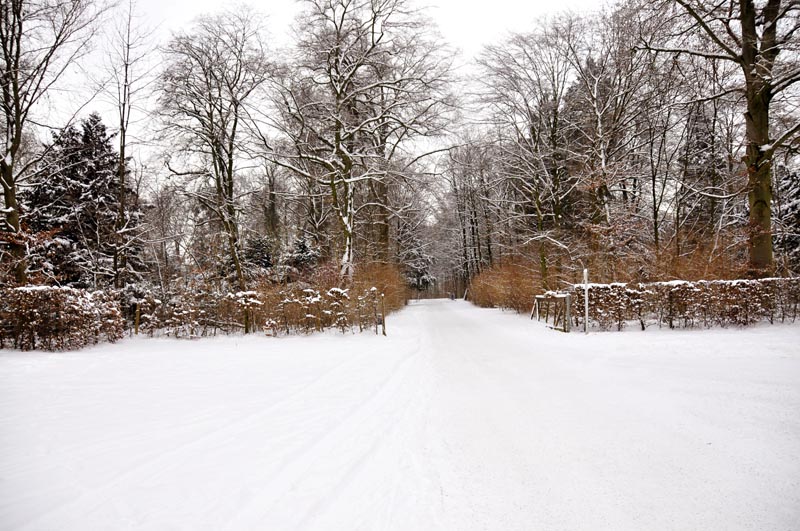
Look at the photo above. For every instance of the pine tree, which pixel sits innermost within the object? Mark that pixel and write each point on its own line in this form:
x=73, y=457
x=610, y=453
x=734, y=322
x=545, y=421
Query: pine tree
x=75, y=202
x=703, y=175
x=258, y=251
x=787, y=222
x=303, y=255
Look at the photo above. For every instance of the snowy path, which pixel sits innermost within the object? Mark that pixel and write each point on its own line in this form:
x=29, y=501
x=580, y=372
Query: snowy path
x=461, y=419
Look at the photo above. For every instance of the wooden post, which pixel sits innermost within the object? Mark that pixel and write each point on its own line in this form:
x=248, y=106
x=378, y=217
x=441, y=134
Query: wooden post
x=383, y=313
x=586, y=301
x=567, y=318
x=375, y=310
x=136, y=320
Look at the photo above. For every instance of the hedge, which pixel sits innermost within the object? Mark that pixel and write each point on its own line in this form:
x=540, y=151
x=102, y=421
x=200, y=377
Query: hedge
x=298, y=309
x=682, y=304
x=54, y=318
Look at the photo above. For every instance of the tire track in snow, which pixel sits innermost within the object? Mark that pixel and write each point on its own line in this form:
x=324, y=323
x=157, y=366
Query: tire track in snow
x=488, y=421
x=405, y=502
x=293, y=470
x=155, y=464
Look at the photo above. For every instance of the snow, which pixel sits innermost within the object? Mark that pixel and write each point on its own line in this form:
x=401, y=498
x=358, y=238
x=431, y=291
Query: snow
x=38, y=288
x=337, y=291
x=461, y=419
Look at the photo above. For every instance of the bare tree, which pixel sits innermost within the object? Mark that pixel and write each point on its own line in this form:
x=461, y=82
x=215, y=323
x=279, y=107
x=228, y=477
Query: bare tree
x=367, y=80
x=524, y=87
x=130, y=77
x=762, y=38
x=40, y=39
x=210, y=77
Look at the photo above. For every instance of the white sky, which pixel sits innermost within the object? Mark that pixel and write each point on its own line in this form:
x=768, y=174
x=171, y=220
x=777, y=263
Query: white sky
x=466, y=24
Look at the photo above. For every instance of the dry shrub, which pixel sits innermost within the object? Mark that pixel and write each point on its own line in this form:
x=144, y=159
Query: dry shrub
x=324, y=303
x=627, y=259
x=53, y=318
x=510, y=285
x=704, y=261
x=324, y=277
x=386, y=279
x=195, y=311
x=676, y=304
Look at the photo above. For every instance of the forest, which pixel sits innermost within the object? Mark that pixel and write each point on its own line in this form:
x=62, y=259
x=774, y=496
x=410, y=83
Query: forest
x=645, y=141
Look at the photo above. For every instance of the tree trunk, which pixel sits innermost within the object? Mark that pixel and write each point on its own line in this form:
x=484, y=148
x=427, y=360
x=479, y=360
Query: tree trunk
x=759, y=183
x=119, y=243
x=271, y=218
x=757, y=61
x=17, y=248
x=382, y=197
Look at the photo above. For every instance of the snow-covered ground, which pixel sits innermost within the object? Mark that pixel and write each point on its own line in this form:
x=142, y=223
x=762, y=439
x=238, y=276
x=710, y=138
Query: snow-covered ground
x=461, y=419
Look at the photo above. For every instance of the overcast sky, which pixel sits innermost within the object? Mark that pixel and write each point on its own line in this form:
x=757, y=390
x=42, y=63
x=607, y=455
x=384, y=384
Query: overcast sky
x=466, y=24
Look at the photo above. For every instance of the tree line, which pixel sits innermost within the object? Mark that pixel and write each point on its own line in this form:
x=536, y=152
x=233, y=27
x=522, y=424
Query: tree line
x=649, y=140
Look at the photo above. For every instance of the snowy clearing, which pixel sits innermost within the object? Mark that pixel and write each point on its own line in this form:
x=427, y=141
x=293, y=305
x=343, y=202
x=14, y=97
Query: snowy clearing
x=461, y=419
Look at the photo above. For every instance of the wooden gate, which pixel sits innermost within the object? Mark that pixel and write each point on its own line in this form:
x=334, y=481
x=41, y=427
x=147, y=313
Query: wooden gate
x=556, y=304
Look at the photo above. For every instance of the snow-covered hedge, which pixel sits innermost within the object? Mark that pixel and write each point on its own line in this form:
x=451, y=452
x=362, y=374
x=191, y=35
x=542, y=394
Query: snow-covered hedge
x=681, y=304
x=198, y=310
x=297, y=309
x=308, y=310
x=53, y=318
x=192, y=312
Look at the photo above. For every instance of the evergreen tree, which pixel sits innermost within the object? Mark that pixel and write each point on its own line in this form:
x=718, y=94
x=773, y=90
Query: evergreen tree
x=787, y=222
x=303, y=255
x=258, y=251
x=703, y=175
x=75, y=204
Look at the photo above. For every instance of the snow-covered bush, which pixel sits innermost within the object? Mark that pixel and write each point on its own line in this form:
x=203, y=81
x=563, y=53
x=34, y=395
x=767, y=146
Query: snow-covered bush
x=200, y=308
x=199, y=313
x=368, y=310
x=681, y=304
x=57, y=318
x=338, y=302
x=303, y=309
x=246, y=306
x=258, y=252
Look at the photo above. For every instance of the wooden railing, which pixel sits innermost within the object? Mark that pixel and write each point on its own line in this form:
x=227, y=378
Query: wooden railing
x=556, y=304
